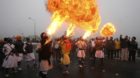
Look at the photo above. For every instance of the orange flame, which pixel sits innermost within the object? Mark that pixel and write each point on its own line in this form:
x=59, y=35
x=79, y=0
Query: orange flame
x=81, y=13
x=70, y=30
x=108, y=30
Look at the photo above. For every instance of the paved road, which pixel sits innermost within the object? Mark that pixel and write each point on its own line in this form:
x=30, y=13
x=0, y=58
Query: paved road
x=112, y=69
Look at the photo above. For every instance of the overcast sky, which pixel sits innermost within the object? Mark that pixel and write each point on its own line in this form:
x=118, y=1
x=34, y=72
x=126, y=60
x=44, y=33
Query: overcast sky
x=14, y=14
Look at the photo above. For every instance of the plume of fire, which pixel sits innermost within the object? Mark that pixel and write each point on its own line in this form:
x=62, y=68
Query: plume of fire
x=86, y=34
x=56, y=23
x=81, y=13
x=70, y=30
x=108, y=30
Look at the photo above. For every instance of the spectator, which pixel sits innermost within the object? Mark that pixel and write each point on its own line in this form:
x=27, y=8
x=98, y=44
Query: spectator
x=132, y=49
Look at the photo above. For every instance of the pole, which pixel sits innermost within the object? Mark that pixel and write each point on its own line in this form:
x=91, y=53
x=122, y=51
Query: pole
x=34, y=26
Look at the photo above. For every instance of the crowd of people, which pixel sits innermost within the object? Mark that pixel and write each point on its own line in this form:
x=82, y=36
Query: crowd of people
x=13, y=52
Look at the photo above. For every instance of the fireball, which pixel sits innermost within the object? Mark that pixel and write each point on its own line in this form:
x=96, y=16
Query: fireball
x=77, y=13
x=108, y=30
x=81, y=13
